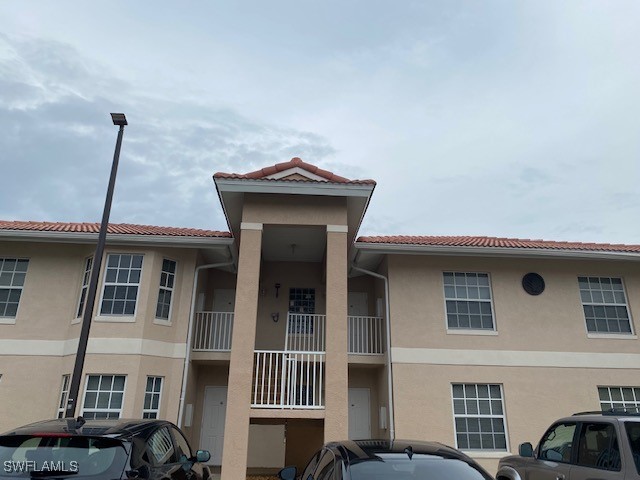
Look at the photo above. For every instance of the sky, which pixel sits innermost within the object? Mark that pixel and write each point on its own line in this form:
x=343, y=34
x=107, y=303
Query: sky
x=498, y=118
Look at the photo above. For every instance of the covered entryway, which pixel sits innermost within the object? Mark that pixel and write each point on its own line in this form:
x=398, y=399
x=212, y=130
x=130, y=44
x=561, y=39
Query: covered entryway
x=213, y=417
x=359, y=413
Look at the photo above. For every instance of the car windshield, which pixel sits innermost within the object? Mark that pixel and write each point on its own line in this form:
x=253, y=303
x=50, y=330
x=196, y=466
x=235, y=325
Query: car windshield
x=73, y=456
x=398, y=466
x=633, y=433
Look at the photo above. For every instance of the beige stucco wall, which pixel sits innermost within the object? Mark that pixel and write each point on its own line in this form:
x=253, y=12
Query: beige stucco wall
x=294, y=209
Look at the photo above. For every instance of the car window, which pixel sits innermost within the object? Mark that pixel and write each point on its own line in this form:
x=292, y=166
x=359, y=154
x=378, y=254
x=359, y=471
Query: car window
x=182, y=446
x=598, y=446
x=557, y=444
x=160, y=447
x=633, y=434
x=324, y=471
x=311, y=466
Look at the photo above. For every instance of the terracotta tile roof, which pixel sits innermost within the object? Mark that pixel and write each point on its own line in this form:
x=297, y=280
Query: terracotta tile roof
x=497, y=243
x=114, y=228
x=263, y=173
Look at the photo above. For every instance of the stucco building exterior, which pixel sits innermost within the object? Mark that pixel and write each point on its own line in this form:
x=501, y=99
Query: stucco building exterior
x=289, y=330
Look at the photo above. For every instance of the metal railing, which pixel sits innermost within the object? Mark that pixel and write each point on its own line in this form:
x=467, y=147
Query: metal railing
x=212, y=331
x=305, y=332
x=293, y=380
x=366, y=335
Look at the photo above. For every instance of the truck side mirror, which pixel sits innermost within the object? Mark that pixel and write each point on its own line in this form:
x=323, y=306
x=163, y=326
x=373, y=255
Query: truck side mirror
x=525, y=450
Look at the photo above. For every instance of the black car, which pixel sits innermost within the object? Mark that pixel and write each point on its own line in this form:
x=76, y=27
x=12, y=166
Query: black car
x=100, y=449
x=388, y=460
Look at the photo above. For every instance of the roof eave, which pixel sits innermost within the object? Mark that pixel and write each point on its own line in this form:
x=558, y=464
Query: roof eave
x=245, y=185
x=386, y=248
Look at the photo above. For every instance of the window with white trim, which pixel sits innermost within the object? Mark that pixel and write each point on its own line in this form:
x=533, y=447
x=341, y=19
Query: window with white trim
x=64, y=394
x=86, y=277
x=12, y=274
x=604, y=304
x=167, y=278
x=479, y=416
x=152, y=394
x=468, y=301
x=103, y=396
x=121, y=284
x=619, y=398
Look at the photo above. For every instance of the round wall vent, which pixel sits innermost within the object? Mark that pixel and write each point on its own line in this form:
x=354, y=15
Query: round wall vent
x=533, y=284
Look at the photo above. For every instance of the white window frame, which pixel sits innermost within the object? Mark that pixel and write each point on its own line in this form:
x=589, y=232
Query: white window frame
x=470, y=330
x=503, y=417
x=595, y=334
x=11, y=320
x=151, y=393
x=114, y=317
x=64, y=395
x=86, y=278
x=625, y=404
x=111, y=392
x=160, y=320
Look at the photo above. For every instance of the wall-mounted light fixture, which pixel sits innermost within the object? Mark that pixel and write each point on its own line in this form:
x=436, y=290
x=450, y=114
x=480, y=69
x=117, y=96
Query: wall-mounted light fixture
x=277, y=289
x=275, y=317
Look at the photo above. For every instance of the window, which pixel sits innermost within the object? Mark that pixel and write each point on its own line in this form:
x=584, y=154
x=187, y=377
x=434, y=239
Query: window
x=167, y=278
x=103, y=396
x=161, y=447
x=557, y=443
x=604, y=304
x=302, y=303
x=121, y=282
x=85, y=286
x=468, y=301
x=12, y=274
x=598, y=446
x=152, y=397
x=619, y=398
x=64, y=393
x=479, y=417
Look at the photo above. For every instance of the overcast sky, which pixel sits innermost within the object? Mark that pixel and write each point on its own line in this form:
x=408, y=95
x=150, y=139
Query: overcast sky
x=500, y=118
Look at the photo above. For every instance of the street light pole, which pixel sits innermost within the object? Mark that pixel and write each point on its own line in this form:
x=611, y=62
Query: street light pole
x=72, y=401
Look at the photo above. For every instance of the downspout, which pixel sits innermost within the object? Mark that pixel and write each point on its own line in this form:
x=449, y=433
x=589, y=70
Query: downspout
x=187, y=357
x=392, y=427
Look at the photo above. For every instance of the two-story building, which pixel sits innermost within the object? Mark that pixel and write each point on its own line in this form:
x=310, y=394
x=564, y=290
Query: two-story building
x=288, y=330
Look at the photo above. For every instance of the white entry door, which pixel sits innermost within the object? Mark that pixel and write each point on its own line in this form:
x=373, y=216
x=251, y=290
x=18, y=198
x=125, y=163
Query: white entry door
x=213, y=415
x=357, y=304
x=359, y=414
x=224, y=300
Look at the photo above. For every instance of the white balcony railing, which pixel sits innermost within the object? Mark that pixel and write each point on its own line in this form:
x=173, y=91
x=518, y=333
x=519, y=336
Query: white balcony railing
x=305, y=332
x=293, y=380
x=366, y=335
x=212, y=331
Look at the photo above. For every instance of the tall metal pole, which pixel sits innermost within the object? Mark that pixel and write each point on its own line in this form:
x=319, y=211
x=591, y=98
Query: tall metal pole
x=74, y=389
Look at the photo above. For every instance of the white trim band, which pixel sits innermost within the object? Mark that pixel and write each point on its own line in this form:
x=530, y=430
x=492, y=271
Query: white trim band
x=338, y=228
x=97, y=346
x=511, y=358
x=250, y=226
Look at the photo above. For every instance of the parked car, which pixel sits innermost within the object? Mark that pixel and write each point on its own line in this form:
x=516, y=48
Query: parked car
x=585, y=446
x=100, y=449
x=386, y=460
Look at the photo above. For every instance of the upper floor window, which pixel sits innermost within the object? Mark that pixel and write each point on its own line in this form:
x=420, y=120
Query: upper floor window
x=479, y=416
x=468, y=301
x=121, y=283
x=85, y=286
x=103, y=396
x=302, y=304
x=167, y=278
x=604, y=304
x=12, y=274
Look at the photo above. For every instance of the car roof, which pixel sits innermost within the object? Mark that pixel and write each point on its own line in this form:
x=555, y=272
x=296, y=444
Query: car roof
x=363, y=449
x=121, y=428
x=601, y=416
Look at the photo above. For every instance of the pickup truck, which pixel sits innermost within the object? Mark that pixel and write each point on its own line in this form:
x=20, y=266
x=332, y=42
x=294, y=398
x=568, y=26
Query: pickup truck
x=585, y=446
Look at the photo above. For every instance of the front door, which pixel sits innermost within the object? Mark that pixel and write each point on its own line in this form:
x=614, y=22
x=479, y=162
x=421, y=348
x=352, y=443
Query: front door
x=359, y=414
x=213, y=415
x=224, y=300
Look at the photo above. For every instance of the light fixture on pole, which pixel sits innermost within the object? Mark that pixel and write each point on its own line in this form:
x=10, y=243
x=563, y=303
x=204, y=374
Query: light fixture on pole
x=72, y=400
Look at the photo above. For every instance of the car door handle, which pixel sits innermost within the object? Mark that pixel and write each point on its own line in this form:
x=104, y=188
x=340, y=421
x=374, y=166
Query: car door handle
x=560, y=476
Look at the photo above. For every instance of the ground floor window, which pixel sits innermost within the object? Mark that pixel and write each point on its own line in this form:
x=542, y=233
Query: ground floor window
x=479, y=416
x=619, y=398
x=64, y=394
x=103, y=396
x=152, y=397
